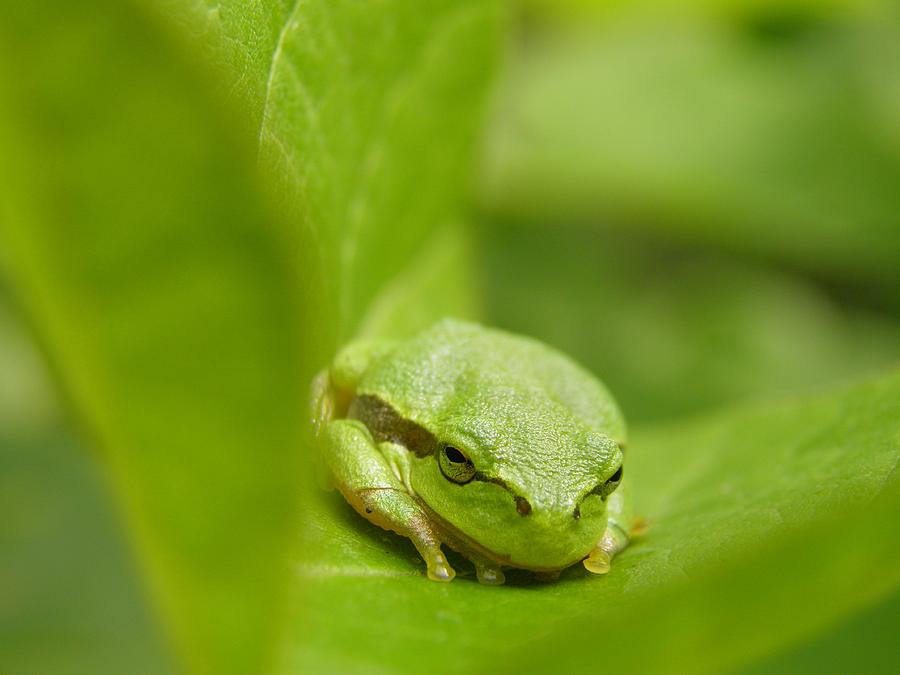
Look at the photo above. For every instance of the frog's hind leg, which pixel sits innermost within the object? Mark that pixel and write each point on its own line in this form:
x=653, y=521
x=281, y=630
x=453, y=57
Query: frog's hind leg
x=365, y=478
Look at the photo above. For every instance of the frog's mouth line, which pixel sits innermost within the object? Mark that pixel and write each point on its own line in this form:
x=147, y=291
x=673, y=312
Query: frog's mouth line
x=464, y=544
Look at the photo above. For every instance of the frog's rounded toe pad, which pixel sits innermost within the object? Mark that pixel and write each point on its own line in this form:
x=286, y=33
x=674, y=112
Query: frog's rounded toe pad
x=490, y=576
x=597, y=561
x=439, y=569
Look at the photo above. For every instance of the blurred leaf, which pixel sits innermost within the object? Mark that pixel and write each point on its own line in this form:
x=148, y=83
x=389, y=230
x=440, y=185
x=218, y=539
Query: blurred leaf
x=440, y=281
x=70, y=602
x=756, y=141
x=760, y=533
x=867, y=640
x=579, y=10
x=26, y=399
x=672, y=329
x=166, y=292
x=63, y=560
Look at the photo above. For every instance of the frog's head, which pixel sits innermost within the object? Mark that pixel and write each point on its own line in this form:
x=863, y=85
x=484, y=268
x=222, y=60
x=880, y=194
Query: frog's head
x=533, y=498
x=524, y=446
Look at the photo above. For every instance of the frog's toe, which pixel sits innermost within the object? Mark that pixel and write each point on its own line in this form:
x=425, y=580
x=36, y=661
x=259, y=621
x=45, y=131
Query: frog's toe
x=597, y=561
x=489, y=575
x=438, y=567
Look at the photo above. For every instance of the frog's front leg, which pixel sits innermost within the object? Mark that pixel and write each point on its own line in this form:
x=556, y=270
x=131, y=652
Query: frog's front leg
x=364, y=476
x=616, y=537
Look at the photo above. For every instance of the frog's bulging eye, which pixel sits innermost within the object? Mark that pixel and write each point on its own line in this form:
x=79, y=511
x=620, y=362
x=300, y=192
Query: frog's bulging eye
x=455, y=455
x=455, y=465
x=609, y=486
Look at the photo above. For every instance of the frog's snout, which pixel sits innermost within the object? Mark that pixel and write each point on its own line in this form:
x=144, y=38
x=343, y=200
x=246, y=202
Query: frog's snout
x=552, y=536
x=557, y=519
x=523, y=507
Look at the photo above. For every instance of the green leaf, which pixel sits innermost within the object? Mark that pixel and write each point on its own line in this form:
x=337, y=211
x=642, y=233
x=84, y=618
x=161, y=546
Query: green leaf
x=440, y=281
x=158, y=278
x=370, y=119
x=63, y=559
x=712, y=133
x=762, y=530
x=66, y=569
x=687, y=330
x=367, y=119
x=865, y=639
x=581, y=10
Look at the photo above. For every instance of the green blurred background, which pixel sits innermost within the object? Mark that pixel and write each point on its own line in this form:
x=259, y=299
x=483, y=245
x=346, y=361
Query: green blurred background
x=699, y=201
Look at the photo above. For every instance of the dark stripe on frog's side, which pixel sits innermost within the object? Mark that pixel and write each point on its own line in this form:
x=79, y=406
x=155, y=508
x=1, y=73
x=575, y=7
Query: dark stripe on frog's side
x=386, y=424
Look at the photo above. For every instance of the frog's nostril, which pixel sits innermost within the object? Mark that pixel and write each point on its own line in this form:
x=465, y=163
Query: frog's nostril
x=576, y=514
x=522, y=506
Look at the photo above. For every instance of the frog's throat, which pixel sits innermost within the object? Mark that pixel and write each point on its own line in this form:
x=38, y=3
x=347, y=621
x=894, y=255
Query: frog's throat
x=464, y=544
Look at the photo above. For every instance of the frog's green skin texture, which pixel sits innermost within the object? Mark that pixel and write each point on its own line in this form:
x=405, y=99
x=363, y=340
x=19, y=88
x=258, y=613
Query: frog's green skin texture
x=543, y=440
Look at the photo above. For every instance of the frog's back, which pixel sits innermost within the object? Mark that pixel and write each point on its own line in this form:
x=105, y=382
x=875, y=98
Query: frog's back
x=460, y=369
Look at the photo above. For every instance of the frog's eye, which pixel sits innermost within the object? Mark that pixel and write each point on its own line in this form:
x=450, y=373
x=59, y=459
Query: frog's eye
x=608, y=487
x=455, y=465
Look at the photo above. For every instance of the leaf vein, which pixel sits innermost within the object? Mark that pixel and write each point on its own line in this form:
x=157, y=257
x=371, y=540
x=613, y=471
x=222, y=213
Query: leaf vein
x=289, y=22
